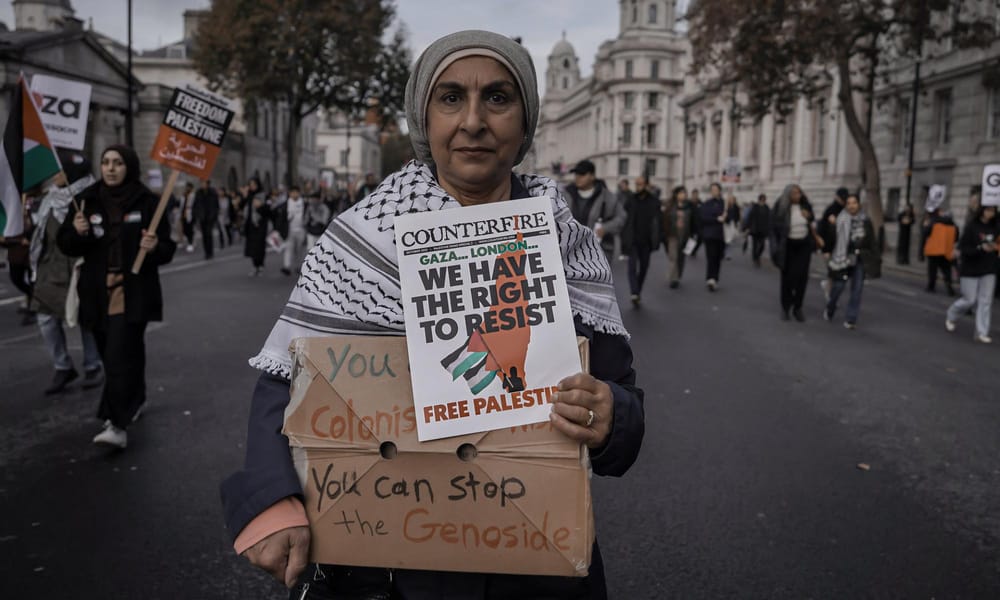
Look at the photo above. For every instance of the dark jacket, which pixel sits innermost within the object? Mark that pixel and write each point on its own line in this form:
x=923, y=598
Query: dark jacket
x=687, y=226
x=143, y=297
x=642, y=222
x=760, y=220
x=602, y=206
x=268, y=475
x=824, y=229
x=781, y=224
x=867, y=251
x=977, y=262
x=206, y=206
x=709, y=211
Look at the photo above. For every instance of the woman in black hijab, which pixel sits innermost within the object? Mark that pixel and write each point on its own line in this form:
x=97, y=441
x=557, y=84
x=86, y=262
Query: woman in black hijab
x=108, y=229
x=255, y=216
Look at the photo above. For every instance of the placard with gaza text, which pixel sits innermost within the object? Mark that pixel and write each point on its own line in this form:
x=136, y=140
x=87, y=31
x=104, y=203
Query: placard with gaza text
x=488, y=319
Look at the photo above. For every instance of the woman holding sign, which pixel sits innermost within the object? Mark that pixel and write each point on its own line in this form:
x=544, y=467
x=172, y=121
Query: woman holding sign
x=472, y=105
x=107, y=229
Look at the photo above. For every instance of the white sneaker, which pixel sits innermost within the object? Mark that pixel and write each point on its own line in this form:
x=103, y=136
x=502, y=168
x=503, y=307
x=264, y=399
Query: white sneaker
x=712, y=284
x=190, y=248
x=825, y=285
x=112, y=436
x=949, y=325
x=849, y=325
x=984, y=339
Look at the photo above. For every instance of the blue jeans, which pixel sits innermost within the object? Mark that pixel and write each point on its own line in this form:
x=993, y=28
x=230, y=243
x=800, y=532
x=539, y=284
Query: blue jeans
x=856, y=275
x=51, y=327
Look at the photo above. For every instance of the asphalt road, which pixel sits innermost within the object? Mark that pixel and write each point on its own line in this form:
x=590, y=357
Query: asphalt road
x=748, y=484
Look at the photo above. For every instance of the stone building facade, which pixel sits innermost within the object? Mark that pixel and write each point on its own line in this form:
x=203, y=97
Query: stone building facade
x=626, y=116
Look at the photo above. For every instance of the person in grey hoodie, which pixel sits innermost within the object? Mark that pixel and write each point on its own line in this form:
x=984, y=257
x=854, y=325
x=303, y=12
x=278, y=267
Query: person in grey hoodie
x=595, y=206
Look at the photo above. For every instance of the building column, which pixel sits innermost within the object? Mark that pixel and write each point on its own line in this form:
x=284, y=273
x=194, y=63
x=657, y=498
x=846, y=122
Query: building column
x=765, y=150
x=801, y=141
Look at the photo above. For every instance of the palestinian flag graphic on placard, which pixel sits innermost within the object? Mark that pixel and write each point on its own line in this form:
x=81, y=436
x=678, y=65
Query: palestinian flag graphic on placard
x=27, y=158
x=473, y=362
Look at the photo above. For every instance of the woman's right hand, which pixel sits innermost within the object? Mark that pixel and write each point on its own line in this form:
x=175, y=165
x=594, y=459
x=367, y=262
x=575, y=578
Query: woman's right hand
x=284, y=554
x=80, y=223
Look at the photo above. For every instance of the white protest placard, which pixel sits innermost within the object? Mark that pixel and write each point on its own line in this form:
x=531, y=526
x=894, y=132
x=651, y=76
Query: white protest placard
x=991, y=186
x=63, y=106
x=488, y=323
x=732, y=170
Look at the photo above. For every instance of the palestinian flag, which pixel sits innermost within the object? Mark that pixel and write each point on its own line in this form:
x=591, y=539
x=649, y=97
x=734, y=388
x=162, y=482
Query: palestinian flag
x=27, y=158
x=473, y=362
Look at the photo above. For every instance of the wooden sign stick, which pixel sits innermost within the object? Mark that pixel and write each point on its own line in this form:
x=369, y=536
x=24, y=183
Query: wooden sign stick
x=155, y=223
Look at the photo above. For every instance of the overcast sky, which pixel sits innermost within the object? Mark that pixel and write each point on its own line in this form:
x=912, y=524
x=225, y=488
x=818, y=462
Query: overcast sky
x=539, y=23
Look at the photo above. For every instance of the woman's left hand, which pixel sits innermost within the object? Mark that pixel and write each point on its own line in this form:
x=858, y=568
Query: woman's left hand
x=148, y=242
x=578, y=397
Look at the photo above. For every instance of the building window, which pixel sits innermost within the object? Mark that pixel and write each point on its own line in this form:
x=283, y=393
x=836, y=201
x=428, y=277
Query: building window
x=755, y=142
x=654, y=100
x=635, y=12
x=622, y=167
x=652, y=14
x=565, y=82
x=654, y=69
x=650, y=167
x=734, y=137
x=892, y=206
x=651, y=135
x=903, y=122
x=995, y=113
x=628, y=69
x=565, y=63
x=788, y=138
x=942, y=110
x=819, y=130
x=343, y=158
x=629, y=100
x=626, y=134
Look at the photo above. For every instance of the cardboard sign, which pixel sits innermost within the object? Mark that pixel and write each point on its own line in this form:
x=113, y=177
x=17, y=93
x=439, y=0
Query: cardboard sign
x=991, y=186
x=192, y=131
x=487, y=315
x=515, y=500
x=732, y=170
x=63, y=106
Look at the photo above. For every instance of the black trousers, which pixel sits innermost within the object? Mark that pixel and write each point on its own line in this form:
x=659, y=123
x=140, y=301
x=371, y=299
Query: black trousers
x=188, y=227
x=714, y=249
x=758, y=247
x=638, y=267
x=795, y=274
x=903, y=245
x=935, y=264
x=19, y=277
x=207, y=235
x=123, y=350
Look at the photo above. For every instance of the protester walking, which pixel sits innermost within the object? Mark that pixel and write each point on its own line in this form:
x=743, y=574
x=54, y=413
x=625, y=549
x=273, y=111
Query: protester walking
x=678, y=227
x=365, y=188
x=108, y=230
x=290, y=223
x=595, y=206
x=188, y=216
x=206, y=215
x=641, y=235
x=256, y=215
x=905, y=220
x=317, y=218
x=711, y=216
x=855, y=257
x=940, y=234
x=19, y=267
x=977, y=270
x=263, y=501
x=793, y=240
x=758, y=224
x=826, y=229
x=695, y=201
x=731, y=226
x=53, y=278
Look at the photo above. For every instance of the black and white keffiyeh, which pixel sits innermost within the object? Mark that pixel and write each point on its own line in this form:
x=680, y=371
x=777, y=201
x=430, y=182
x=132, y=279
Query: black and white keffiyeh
x=350, y=279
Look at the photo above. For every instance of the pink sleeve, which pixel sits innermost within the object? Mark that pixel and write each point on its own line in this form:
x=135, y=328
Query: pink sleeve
x=285, y=513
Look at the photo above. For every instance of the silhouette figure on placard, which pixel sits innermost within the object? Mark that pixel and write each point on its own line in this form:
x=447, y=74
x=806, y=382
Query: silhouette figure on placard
x=513, y=383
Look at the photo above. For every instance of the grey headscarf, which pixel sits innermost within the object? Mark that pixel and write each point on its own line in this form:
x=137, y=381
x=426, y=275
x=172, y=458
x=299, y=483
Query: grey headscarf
x=465, y=43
